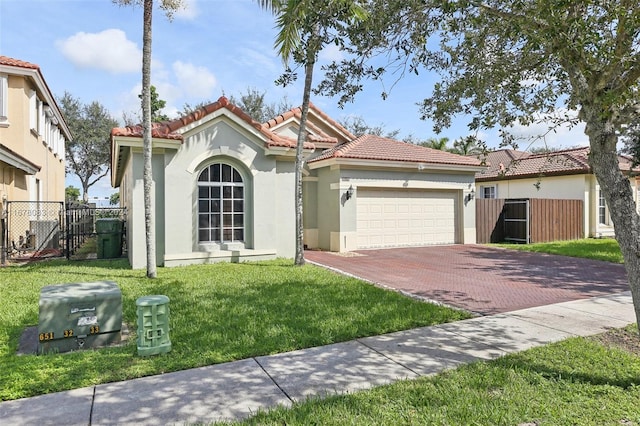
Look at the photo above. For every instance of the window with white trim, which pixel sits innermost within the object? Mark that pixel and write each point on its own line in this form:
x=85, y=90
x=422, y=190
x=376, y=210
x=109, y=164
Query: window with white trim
x=603, y=215
x=221, y=206
x=33, y=111
x=488, y=191
x=4, y=99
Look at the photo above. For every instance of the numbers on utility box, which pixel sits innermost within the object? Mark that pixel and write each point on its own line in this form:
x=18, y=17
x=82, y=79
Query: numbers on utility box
x=68, y=333
x=46, y=336
x=94, y=329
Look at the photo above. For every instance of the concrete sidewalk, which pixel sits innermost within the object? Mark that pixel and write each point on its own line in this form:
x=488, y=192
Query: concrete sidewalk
x=239, y=389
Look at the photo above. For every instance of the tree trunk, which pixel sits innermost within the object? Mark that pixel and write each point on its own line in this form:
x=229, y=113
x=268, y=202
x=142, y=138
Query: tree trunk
x=619, y=198
x=306, y=95
x=85, y=190
x=149, y=219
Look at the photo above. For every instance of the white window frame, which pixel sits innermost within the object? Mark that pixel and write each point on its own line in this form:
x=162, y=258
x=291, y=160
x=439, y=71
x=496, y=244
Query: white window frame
x=603, y=210
x=33, y=111
x=4, y=100
x=227, y=208
x=493, y=191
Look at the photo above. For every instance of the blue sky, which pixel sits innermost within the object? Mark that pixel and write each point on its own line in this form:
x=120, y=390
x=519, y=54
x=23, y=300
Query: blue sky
x=93, y=48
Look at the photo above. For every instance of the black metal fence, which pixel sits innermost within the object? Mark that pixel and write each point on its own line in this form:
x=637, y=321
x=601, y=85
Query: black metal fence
x=32, y=230
x=81, y=228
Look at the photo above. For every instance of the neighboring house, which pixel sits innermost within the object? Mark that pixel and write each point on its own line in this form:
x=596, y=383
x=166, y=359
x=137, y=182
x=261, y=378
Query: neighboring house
x=33, y=135
x=224, y=188
x=557, y=175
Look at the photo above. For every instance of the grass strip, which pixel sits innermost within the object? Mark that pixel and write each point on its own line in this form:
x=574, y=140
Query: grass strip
x=219, y=313
x=578, y=381
x=605, y=249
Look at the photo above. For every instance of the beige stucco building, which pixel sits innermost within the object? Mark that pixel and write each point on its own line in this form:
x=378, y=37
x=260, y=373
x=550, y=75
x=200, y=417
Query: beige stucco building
x=33, y=135
x=224, y=188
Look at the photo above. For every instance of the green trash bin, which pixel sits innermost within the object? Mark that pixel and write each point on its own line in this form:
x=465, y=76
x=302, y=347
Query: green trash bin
x=153, y=325
x=109, y=238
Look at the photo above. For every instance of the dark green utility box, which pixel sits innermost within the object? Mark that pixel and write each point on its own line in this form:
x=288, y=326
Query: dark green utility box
x=79, y=316
x=109, y=238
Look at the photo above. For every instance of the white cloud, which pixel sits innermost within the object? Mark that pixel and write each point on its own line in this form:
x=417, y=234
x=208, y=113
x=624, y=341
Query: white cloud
x=195, y=81
x=257, y=61
x=331, y=53
x=109, y=50
x=189, y=10
x=541, y=133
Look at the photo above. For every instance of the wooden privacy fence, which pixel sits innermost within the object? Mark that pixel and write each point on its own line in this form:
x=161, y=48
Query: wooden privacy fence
x=534, y=220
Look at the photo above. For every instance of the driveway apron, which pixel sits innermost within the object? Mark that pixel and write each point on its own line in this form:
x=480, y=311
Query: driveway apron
x=484, y=280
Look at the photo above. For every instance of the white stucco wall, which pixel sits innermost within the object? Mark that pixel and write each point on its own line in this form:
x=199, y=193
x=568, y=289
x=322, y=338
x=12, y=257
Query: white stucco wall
x=134, y=202
x=556, y=187
x=269, y=219
x=337, y=220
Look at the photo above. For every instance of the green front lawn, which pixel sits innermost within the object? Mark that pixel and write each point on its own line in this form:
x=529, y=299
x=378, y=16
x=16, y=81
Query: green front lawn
x=606, y=249
x=219, y=313
x=578, y=381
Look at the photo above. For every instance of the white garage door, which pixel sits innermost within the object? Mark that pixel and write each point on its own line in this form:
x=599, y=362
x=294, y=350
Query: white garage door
x=394, y=218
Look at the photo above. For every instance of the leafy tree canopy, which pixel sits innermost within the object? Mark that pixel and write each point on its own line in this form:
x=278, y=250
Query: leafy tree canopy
x=114, y=198
x=71, y=193
x=253, y=103
x=358, y=126
x=157, y=105
x=88, y=153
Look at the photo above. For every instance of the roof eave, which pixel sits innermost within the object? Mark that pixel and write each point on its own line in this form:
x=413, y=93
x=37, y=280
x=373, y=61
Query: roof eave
x=533, y=175
x=395, y=164
x=120, y=144
x=19, y=162
x=36, y=75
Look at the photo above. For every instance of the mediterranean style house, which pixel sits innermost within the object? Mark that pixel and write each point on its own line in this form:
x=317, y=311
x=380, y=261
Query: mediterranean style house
x=33, y=135
x=224, y=188
x=562, y=174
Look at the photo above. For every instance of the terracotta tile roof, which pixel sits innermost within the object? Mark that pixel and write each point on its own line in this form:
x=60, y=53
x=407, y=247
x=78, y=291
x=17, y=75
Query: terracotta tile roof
x=5, y=60
x=517, y=164
x=297, y=112
x=169, y=129
x=158, y=131
x=371, y=147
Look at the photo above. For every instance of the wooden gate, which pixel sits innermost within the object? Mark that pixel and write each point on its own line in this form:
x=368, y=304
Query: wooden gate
x=533, y=220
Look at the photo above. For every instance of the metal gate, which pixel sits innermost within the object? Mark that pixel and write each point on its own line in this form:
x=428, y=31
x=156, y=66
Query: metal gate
x=83, y=237
x=33, y=229
x=516, y=221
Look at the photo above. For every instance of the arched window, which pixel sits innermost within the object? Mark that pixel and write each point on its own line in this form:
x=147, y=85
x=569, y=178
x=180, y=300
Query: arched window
x=220, y=204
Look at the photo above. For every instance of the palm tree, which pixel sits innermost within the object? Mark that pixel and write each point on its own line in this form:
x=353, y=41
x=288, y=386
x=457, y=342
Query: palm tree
x=436, y=143
x=304, y=30
x=169, y=6
x=466, y=146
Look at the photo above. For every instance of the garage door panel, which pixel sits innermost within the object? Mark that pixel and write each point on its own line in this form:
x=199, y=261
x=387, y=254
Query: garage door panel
x=390, y=218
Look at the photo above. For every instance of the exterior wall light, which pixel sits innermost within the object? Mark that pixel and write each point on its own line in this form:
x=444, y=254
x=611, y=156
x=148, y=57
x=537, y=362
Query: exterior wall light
x=349, y=193
x=470, y=196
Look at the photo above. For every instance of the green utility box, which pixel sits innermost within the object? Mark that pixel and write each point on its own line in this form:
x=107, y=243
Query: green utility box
x=109, y=238
x=79, y=316
x=153, y=325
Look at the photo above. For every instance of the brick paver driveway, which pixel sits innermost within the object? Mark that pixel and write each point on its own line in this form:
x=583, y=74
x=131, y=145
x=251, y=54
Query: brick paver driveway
x=484, y=280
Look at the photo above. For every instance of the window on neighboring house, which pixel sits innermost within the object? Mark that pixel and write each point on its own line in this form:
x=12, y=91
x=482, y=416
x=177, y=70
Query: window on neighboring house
x=33, y=111
x=40, y=117
x=603, y=217
x=4, y=102
x=220, y=204
x=488, y=191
